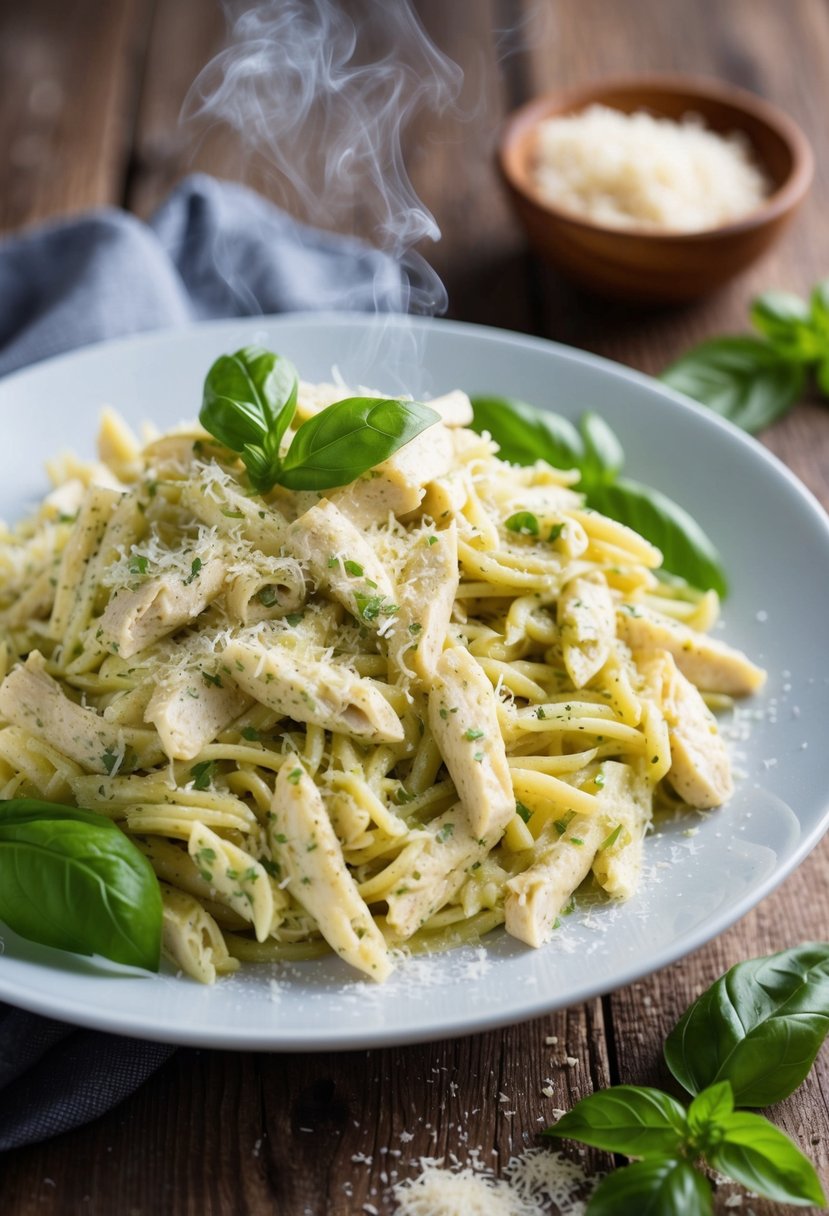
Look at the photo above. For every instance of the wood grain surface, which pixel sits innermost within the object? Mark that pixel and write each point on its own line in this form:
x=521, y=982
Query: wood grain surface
x=92, y=93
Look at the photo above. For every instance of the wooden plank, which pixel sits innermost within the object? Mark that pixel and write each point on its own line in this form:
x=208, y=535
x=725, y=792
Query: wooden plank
x=215, y=1133
x=164, y=148
x=449, y=156
x=69, y=71
x=801, y=440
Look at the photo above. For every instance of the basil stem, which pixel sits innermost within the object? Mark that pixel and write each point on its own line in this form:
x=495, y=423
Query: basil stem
x=71, y=879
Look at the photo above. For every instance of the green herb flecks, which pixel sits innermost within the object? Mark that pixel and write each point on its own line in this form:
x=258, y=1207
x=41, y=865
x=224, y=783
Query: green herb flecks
x=523, y=522
x=267, y=595
x=611, y=838
x=523, y=812
x=202, y=774
x=195, y=570
x=370, y=607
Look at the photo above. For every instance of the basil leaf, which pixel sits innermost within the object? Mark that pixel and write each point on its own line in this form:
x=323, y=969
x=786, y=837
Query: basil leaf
x=350, y=437
x=247, y=396
x=708, y=1109
x=760, y=1027
x=525, y=434
x=755, y=1153
x=819, y=308
x=686, y=549
x=744, y=380
x=280, y=389
x=786, y=320
x=660, y=1187
x=603, y=454
x=822, y=377
x=630, y=1119
x=71, y=879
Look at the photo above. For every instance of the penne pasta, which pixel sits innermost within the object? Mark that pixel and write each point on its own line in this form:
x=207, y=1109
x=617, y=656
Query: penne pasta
x=395, y=712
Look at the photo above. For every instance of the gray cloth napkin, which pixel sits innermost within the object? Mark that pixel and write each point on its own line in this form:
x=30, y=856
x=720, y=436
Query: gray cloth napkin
x=214, y=249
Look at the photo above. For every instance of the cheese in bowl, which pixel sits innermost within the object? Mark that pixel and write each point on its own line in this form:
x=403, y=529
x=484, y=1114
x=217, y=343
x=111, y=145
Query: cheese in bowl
x=637, y=170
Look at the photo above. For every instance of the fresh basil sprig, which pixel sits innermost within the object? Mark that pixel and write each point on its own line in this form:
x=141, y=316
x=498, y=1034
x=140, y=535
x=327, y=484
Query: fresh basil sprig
x=753, y=380
x=749, y=1040
x=250, y=399
x=525, y=434
x=71, y=879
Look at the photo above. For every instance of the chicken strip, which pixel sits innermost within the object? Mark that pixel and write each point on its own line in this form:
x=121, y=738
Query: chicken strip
x=707, y=662
x=587, y=620
x=31, y=699
x=303, y=843
x=463, y=717
x=309, y=690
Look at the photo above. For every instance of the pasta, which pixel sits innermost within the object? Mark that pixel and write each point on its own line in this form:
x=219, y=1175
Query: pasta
x=428, y=702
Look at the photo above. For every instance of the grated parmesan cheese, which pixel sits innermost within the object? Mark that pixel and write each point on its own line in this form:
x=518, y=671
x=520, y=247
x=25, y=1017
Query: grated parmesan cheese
x=441, y=1192
x=530, y=1183
x=636, y=170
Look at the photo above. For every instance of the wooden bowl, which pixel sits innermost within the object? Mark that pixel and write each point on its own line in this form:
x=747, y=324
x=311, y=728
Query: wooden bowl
x=644, y=265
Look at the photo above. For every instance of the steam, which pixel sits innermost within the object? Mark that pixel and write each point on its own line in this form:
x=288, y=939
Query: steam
x=300, y=78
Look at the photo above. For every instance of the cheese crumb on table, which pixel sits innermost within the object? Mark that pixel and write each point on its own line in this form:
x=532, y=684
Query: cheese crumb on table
x=537, y=1175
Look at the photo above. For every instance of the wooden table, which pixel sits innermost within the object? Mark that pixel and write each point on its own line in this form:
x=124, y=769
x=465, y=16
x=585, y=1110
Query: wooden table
x=91, y=94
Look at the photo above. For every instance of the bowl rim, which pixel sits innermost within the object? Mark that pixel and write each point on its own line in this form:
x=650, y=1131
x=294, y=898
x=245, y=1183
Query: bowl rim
x=578, y=96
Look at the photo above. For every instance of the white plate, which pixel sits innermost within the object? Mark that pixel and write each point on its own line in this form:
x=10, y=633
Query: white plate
x=775, y=542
